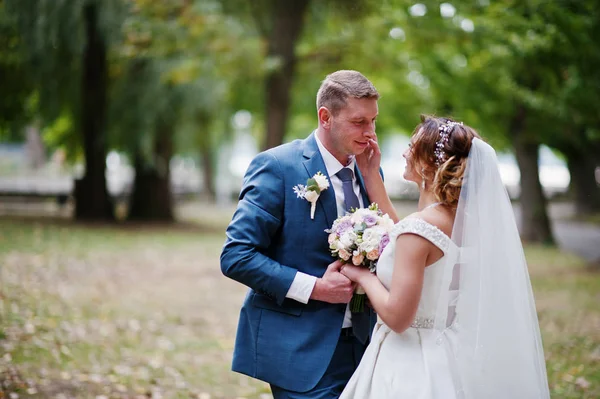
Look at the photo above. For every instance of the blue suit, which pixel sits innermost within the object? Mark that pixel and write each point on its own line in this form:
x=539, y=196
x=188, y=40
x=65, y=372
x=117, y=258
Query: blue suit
x=270, y=238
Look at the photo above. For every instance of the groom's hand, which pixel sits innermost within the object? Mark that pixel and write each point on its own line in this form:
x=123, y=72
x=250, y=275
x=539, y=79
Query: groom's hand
x=333, y=287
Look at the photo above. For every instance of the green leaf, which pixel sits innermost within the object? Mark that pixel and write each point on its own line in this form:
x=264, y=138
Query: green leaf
x=315, y=188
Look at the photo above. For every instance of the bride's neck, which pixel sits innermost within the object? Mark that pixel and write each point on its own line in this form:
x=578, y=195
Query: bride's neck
x=426, y=198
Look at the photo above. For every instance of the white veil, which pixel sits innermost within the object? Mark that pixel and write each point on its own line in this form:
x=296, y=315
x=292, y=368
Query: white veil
x=487, y=320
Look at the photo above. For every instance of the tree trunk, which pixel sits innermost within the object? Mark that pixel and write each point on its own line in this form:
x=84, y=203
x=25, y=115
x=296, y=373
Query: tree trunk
x=91, y=196
x=535, y=224
x=151, y=199
x=208, y=172
x=34, y=148
x=207, y=153
x=586, y=191
x=288, y=19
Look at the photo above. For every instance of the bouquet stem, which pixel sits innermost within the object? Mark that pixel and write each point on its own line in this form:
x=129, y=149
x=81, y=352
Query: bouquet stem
x=357, y=303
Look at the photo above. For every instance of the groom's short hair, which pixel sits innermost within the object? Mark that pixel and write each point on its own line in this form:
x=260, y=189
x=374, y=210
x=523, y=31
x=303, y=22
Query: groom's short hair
x=340, y=85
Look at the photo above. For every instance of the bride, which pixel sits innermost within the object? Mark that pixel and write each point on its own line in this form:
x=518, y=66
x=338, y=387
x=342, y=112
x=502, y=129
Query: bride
x=456, y=314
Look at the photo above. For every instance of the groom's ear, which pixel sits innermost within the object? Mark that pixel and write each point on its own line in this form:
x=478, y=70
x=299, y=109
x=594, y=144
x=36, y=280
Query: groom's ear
x=324, y=117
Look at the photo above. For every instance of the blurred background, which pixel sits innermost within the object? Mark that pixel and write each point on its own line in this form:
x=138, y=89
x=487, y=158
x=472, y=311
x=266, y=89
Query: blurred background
x=126, y=127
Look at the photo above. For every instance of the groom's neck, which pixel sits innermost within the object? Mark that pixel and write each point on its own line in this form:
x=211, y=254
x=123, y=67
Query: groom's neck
x=322, y=136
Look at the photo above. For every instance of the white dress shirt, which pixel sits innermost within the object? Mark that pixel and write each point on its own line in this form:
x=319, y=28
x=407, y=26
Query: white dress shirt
x=303, y=283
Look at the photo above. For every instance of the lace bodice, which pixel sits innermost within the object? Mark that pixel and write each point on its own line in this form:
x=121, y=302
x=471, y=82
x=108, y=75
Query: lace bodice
x=433, y=273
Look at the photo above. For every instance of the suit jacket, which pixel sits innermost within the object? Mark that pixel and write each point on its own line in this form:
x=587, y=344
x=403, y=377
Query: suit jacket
x=271, y=236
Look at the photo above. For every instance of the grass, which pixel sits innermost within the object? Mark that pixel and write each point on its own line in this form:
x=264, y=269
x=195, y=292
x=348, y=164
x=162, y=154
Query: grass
x=93, y=312
x=567, y=295
x=591, y=219
x=138, y=312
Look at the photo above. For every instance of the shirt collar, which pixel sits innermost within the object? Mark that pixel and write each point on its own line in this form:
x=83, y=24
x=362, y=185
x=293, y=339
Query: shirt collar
x=331, y=163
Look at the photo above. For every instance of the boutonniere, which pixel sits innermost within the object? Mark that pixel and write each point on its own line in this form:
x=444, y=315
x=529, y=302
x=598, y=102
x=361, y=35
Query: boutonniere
x=312, y=190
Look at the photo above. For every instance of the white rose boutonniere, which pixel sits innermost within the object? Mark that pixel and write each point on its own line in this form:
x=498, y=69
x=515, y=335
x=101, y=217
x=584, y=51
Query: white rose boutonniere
x=312, y=190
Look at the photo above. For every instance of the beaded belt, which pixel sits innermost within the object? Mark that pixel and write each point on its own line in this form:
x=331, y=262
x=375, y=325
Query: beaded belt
x=422, y=322
x=418, y=322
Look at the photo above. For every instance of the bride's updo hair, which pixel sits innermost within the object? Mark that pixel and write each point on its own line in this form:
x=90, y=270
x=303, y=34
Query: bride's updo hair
x=442, y=163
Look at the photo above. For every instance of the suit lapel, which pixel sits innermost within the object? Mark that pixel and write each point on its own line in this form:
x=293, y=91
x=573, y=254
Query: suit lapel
x=313, y=162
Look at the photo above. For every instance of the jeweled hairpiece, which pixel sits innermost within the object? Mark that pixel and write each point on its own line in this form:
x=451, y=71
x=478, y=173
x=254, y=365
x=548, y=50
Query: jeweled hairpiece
x=444, y=129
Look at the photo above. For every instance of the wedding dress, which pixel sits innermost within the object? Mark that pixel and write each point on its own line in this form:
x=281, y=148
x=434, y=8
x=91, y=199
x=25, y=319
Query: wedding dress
x=410, y=364
x=476, y=333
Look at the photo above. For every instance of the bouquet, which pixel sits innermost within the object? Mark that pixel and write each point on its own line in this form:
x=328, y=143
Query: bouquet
x=359, y=238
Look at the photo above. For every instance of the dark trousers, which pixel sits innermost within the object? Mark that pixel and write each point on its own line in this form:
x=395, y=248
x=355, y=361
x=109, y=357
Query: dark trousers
x=346, y=357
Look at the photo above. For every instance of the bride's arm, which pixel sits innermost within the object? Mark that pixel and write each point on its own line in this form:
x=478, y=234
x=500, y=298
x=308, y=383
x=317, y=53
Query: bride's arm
x=398, y=306
x=368, y=163
x=377, y=193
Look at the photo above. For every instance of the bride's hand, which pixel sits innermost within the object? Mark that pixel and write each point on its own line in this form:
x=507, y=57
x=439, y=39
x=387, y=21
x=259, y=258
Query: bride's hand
x=368, y=162
x=355, y=273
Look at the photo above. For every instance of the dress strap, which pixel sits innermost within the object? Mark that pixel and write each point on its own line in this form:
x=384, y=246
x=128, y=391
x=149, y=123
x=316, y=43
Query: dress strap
x=420, y=227
x=431, y=206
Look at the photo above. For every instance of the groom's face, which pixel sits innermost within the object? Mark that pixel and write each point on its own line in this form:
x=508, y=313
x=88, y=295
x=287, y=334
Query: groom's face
x=353, y=126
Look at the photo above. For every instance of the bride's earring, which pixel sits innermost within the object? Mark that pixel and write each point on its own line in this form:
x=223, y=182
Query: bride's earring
x=423, y=178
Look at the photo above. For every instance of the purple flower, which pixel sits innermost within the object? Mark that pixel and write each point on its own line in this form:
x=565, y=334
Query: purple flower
x=343, y=226
x=370, y=220
x=385, y=240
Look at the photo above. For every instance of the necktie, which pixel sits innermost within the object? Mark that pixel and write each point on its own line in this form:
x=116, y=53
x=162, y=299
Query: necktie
x=360, y=320
x=350, y=198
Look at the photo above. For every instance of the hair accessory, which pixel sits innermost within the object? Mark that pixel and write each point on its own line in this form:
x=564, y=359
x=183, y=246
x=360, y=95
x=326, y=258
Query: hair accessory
x=444, y=129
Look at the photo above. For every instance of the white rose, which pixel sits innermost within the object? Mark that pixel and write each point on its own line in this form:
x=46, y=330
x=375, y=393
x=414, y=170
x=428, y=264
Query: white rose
x=336, y=245
x=322, y=181
x=340, y=246
x=373, y=234
x=348, y=238
x=358, y=215
x=368, y=246
x=311, y=196
x=386, y=222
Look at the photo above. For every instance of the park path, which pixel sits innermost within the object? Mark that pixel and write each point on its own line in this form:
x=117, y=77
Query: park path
x=578, y=237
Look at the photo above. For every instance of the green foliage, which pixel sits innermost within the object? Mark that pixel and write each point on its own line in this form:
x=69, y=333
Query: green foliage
x=192, y=64
x=50, y=41
x=52, y=37
x=59, y=134
x=179, y=63
x=525, y=54
x=16, y=85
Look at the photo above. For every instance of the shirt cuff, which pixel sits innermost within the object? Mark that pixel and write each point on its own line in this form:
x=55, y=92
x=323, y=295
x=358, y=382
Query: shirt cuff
x=301, y=287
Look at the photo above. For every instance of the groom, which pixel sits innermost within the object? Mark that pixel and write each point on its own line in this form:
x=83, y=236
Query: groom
x=295, y=329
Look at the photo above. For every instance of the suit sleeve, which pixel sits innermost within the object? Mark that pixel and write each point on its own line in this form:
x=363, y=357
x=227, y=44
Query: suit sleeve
x=254, y=224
